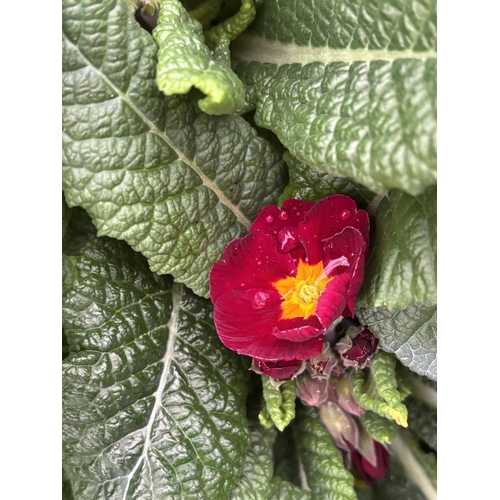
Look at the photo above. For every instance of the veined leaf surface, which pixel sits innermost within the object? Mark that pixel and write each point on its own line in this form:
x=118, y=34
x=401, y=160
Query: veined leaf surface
x=153, y=404
x=155, y=171
x=348, y=86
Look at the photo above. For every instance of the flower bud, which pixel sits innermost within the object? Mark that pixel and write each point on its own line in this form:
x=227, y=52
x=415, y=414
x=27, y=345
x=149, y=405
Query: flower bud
x=342, y=426
x=345, y=398
x=370, y=471
x=323, y=364
x=357, y=347
x=312, y=391
x=279, y=370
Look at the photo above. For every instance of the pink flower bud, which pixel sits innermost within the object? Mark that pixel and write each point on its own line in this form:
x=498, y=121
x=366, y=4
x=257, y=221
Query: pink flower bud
x=312, y=391
x=367, y=470
x=357, y=348
x=279, y=370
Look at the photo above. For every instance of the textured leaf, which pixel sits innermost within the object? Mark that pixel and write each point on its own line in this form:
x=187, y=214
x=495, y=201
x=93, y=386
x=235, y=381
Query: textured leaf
x=230, y=28
x=312, y=185
x=69, y=274
x=411, y=334
x=173, y=182
x=280, y=403
x=254, y=483
x=401, y=269
x=283, y=490
x=184, y=62
x=67, y=492
x=379, y=428
x=376, y=389
x=349, y=87
x=422, y=420
x=323, y=464
x=153, y=404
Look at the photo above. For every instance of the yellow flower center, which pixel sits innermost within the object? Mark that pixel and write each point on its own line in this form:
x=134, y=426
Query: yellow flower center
x=301, y=292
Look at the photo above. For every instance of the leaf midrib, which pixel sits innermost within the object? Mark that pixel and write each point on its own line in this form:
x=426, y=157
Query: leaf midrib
x=254, y=48
x=153, y=129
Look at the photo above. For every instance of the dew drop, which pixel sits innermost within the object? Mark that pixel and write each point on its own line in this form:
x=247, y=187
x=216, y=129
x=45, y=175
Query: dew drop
x=269, y=218
x=283, y=215
x=298, y=214
x=259, y=262
x=236, y=250
x=259, y=300
x=345, y=214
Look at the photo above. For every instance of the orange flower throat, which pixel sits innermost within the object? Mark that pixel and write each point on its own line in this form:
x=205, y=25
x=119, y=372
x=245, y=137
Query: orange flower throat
x=301, y=292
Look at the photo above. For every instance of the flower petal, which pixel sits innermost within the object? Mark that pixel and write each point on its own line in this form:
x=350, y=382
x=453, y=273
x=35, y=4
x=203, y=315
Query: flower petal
x=327, y=218
x=298, y=329
x=245, y=319
x=250, y=262
x=332, y=301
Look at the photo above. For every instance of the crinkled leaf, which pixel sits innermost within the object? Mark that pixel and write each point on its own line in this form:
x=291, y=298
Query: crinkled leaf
x=153, y=404
x=66, y=215
x=69, y=274
x=422, y=420
x=283, y=490
x=401, y=269
x=184, y=62
x=286, y=460
x=254, y=484
x=349, y=87
x=379, y=428
x=376, y=389
x=411, y=334
x=322, y=460
x=312, y=185
x=230, y=28
x=280, y=403
x=156, y=171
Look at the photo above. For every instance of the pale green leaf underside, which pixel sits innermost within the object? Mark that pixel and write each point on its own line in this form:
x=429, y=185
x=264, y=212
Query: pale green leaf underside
x=184, y=61
x=348, y=87
x=153, y=404
x=379, y=428
x=411, y=334
x=155, y=171
x=402, y=267
x=322, y=460
x=280, y=403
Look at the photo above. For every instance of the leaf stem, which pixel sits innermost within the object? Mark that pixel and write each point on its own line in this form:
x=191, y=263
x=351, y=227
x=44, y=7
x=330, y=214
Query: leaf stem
x=413, y=468
x=423, y=392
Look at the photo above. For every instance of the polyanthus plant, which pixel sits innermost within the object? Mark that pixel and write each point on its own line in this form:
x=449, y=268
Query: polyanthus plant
x=278, y=159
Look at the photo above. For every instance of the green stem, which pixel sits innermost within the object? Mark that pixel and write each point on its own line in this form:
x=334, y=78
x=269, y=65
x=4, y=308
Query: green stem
x=423, y=392
x=413, y=469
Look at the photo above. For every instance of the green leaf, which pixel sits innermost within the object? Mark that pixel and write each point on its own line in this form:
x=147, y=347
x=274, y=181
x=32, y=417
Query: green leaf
x=376, y=389
x=283, y=490
x=69, y=274
x=184, y=62
x=254, y=483
x=153, y=404
x=322, y=460
x=176, y=184
x=66, y=215
x=280, y=403
x=312, y=185
x=401, y=269
x=411, y=334
x=349, y=89
x=422, y=420
x=230, y=28
x=379, y=428
x=67, y=492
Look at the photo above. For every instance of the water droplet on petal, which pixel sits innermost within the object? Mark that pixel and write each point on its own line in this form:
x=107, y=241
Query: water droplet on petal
x=259, y=262
x=236, y=250
x=269, y=218
x=283, y=215
x=345, y=214
x=287, y=239
x=298, y=214
x=259, y=300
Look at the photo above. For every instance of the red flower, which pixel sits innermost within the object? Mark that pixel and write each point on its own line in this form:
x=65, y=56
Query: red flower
x=299, y=269
x=279, y=370
x=355, y=348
